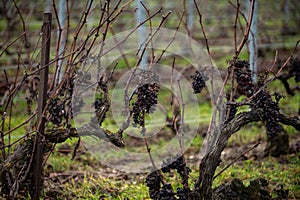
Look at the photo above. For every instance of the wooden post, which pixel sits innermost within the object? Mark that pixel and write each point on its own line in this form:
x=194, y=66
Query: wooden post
x=252, y=40
x=38, y=148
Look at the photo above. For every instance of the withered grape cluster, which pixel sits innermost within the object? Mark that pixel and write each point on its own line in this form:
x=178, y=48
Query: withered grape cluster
x=198, y=82
x=147, y=93
x=156, y=191
x=176, y=163
x=270, y=114
x=56, y=109
x=182, y=193
x=166, y=191
x=262, y=100
x=243, y=77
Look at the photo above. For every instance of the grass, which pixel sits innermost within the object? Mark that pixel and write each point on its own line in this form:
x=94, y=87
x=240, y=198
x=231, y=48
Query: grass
x=270, y=169
x=90, y=184
x=99, y=187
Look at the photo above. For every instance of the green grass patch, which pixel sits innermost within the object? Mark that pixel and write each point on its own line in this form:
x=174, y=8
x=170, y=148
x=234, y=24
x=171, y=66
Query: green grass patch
x=270, y=169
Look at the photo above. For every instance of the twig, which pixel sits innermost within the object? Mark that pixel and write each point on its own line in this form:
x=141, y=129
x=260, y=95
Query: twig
x=181, y=139
x=151, y=36
x=274, y=62
x=59, y=38
x=132, y=31
x=119, y=48
x=277, y=74
x=48, y=155
x=150, y=27
x=235, y=50
x=173, y=38
x=172, y=93
x=11, y=104
x=11, y=43
x=235, y=24
x=76, y=148
x=18, y=140
x=203, y=32
x=236, y=159
x=239, y=11
x=241, y=45
x=27, y=45
x=149, y=152
x=181, y=132
x=83, y=21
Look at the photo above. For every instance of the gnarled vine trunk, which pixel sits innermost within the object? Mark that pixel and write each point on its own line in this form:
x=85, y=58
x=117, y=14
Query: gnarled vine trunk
x=208, y=165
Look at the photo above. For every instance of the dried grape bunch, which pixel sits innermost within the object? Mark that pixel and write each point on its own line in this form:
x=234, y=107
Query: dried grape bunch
x=176, y=163
x=56, y=109
x=159, y=190
x=156, y=191
x=198, y=82
x=183, y=193
x=153, y=182
x=270, y=114
x=166, y=193
x=146, y=93
x=243, y=77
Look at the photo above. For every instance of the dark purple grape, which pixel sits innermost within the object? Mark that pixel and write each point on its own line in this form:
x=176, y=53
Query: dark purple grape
x=198, y=82
x=56, y=110
x=182, y=193
x=153, y=180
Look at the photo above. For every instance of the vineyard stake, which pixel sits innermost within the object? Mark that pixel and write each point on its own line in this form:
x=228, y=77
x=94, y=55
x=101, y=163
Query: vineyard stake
x=39, y=143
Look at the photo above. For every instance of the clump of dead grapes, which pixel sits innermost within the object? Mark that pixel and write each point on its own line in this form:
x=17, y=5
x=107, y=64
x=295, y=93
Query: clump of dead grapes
x=146, y=97
x=158, y=189
x=260, y=97
x=198, y=82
